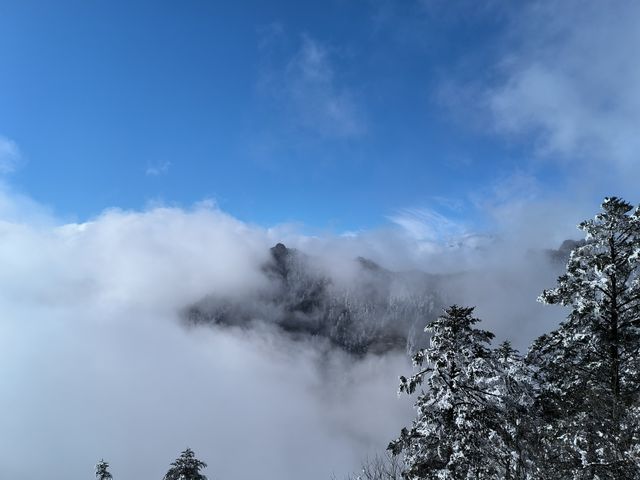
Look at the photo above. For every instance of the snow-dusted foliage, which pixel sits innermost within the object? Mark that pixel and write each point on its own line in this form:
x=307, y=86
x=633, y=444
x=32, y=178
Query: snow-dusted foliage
x=515, y=420
x=589, y=368
x=571, y=411
x=454, y=435
x=186, y=467
x=102, y=471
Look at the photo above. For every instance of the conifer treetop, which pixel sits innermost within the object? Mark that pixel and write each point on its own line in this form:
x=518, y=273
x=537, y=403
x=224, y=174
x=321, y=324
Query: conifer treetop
x=186, y=467
x=102, y=470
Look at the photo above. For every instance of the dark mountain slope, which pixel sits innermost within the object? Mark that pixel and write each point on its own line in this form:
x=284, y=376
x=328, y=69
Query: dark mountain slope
x=376, y=311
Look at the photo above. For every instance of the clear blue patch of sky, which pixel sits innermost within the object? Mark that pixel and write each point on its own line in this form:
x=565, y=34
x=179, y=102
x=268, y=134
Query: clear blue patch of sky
x=97, y=92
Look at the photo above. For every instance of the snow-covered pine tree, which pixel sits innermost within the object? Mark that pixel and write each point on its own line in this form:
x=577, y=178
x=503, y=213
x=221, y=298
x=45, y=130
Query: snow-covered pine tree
x=515, y=421
x=186, y=467
x=589, y=368
x=102, y=471
x=449, y=438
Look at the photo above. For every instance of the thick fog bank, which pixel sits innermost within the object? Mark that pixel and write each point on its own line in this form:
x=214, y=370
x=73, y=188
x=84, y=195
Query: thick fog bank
x=97, y=362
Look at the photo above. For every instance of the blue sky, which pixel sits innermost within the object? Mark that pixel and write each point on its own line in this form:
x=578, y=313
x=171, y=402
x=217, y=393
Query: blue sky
x=338, y=115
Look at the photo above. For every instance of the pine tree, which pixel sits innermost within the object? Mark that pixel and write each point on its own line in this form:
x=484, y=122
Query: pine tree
x=589, y=368
x=102, y=471
x=186, y=467
x=515, y=420
x=450, y=438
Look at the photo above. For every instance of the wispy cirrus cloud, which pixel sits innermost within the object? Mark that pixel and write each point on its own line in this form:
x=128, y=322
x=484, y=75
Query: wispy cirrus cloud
x=10, y=155
x=308, y=82
x=427, y=224
x=157, y=169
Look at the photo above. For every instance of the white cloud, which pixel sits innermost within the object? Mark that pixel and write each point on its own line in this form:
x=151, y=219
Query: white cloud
x=322, y=103
x=96, y=364
x=310, y=84
x=571, y=77
x=158, y=169
x=427, y=225
x=10, y=155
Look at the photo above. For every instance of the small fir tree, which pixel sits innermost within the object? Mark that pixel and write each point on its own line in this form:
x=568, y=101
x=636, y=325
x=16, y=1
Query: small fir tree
x=102, y=471
x=186, y=467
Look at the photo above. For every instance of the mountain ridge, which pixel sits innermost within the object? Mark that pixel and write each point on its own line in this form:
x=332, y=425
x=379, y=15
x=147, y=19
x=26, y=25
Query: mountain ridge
x=377, y=311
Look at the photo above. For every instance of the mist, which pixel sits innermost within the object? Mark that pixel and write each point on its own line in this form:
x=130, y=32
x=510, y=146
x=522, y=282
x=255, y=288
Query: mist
x=98, y=364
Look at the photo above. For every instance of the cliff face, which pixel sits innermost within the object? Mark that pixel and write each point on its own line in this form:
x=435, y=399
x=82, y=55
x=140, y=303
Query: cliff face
x=376, y=311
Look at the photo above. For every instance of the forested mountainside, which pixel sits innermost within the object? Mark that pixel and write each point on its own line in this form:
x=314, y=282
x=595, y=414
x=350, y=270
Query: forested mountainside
x=378, y=311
